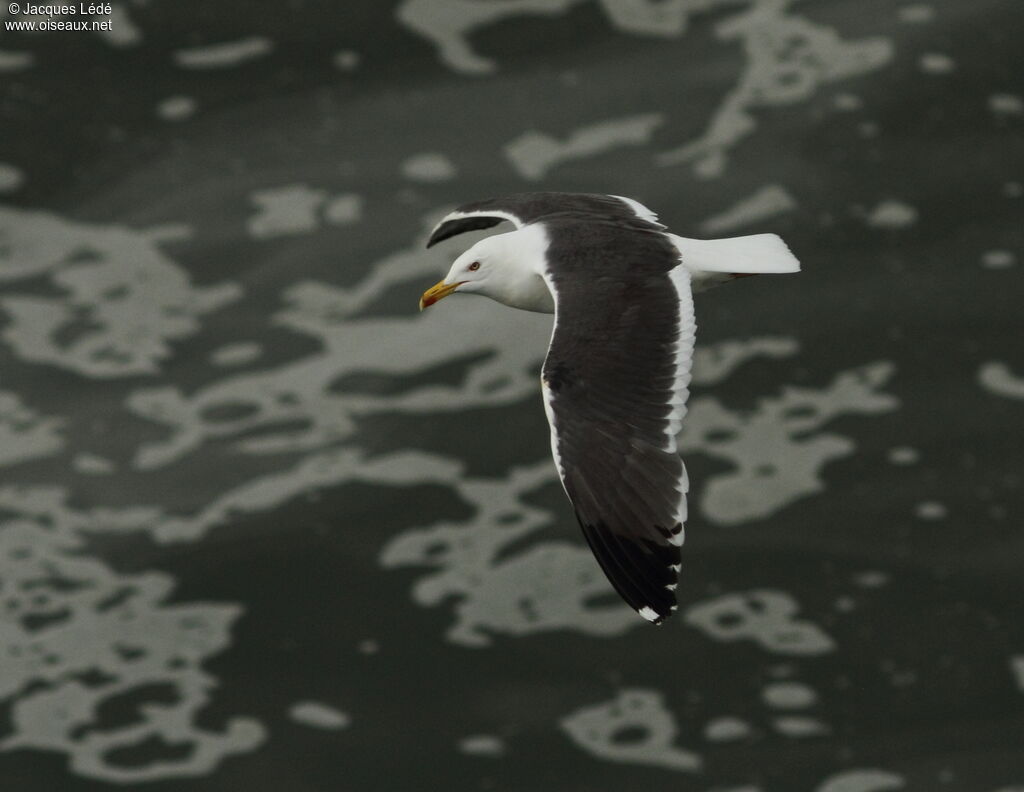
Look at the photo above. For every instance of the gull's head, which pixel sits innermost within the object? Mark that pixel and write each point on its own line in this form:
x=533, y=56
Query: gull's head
x=495, y=266
x=470, y=273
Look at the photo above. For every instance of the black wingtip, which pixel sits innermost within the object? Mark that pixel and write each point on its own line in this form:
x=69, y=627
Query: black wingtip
x=461, y=225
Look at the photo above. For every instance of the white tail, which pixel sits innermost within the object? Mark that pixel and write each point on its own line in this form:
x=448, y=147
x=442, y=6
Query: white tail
x=759, y=253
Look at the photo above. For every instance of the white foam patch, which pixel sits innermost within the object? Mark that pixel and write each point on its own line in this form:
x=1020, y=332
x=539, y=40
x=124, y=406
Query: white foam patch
x=314, y=471
x=92, y=464
x=1006, y=104
x=916, y=14
x=11, y=178
x=892, y=214
x=871, y=579
x=799, y=726
x=114, y=282
x=546, y=586
x=713, y=363
x=726, y=729
x=299, y=209
x=482, y=745
x=595, y=730
x=788, y=58
x=534, y=154
x=176, y=108
x=868, y=129
x=24, y=434
x=779, y=449
x=1017, y=669
x=448, y=23
x=70, y=616
x=428, y=167
x=236, y=354
x=997, y=378
x=788, y=695
x=998, y=259
x=318, y=715
x=346, y=60
x=769, y=201
x=123, y=31
x=226, y=55
x=344, y=209
x=291, y=209
x=903, y=455
x=14, y=61
x=936, y=63
x=766, y=617
x=847, y=102
x=930, y=510
x=862, y=780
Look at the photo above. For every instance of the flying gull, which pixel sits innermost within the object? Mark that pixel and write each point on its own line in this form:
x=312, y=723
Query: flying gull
x=616, y=373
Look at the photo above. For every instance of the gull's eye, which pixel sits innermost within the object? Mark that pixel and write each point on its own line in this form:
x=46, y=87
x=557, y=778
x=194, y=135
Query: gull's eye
x=474, y=266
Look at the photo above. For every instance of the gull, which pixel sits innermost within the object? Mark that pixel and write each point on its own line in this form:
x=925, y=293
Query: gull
x=614, y=381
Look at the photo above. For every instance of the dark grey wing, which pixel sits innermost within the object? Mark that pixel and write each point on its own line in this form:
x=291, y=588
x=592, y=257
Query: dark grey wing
x=523, y=208
x=614, y=384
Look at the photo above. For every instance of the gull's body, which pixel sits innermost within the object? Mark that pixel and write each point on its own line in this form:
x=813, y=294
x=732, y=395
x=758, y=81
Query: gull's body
x=615, y=377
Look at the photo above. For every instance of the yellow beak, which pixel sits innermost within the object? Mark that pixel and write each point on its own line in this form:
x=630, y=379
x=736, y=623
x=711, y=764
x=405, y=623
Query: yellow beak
x=437, y=292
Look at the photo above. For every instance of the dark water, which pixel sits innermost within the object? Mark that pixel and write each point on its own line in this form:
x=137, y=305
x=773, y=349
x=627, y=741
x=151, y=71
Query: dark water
x=266, y=527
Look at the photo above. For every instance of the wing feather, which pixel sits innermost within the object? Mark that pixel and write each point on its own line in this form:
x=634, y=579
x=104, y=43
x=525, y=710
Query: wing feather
x=523, y=208
x=615, y=380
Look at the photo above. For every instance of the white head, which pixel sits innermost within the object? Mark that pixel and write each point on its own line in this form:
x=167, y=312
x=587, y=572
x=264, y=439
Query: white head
x=505, y=267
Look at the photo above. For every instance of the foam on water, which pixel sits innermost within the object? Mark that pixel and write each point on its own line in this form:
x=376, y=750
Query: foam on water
x=714, y=362
x=546, y=586
x=1017, y=669
x=799, y=726
x=936, y=63
x=120, y=299
x=11, y=178
x=428, y=167
x=892, y=214
x=318, y=715
x=779, y=448
x=534, y=154
x=81, y=636
x=767, y=617
x=788, y=58
x=998, y=259
x=344, y=209
x=862, y=780
x=1006, y=104
x=24, y=434
x=176, y=108
x=788, y=695
x=302, y=390
x=769, y=201
x=236, y=354
x=225, y=55
x=596, y=729
x=482, y=745
x=997, y=378
x=726, y=729
x=291, y=209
